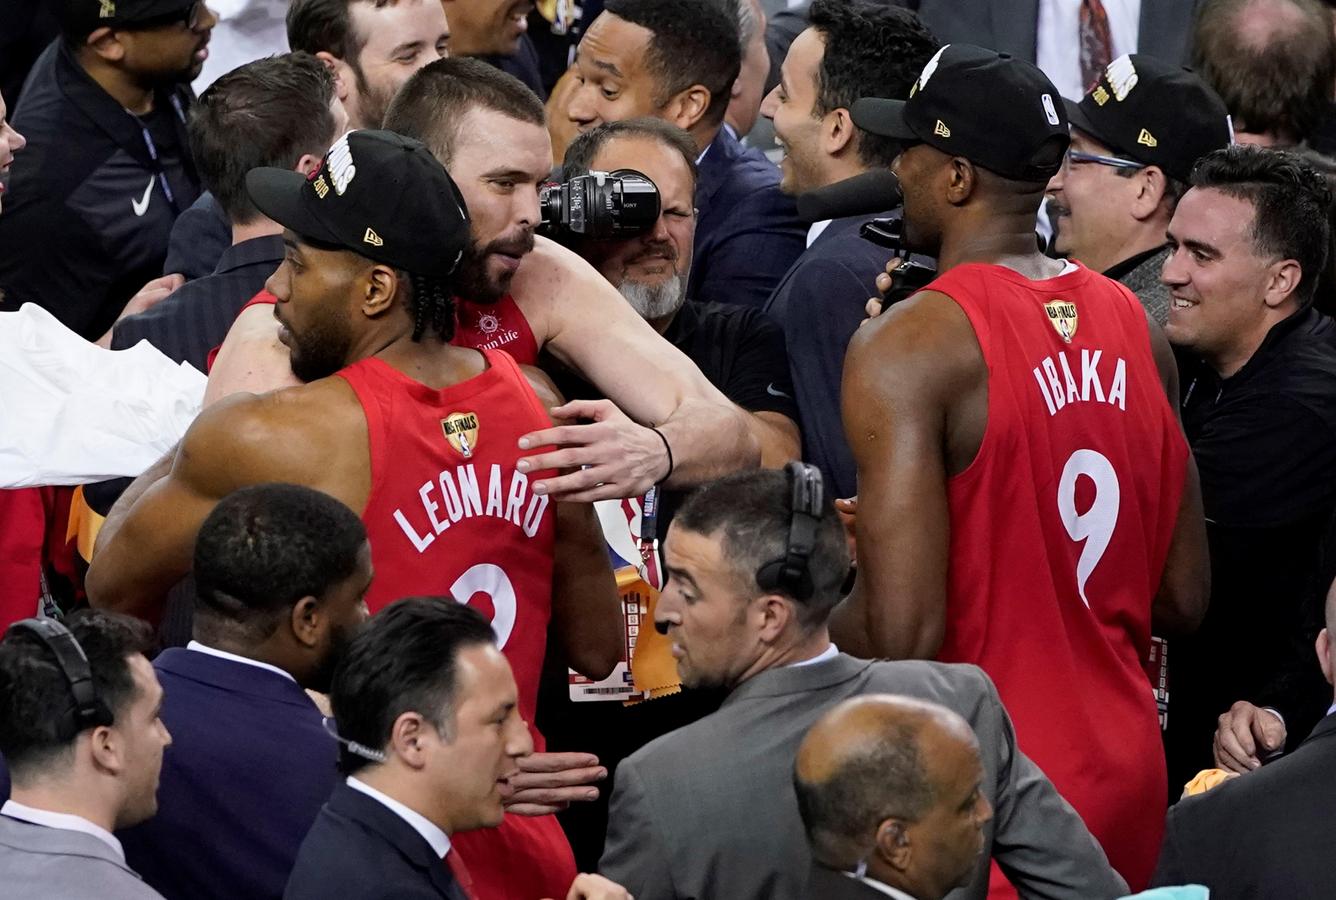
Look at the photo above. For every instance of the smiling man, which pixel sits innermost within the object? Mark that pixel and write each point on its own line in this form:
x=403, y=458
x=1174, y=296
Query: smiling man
x=1135, y=137
x=1259, y=406
x=108, y=165
x=677, y=60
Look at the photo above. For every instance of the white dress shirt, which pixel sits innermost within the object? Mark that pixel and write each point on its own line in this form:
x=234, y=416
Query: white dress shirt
x=815, y=230
x=431, y=833
x=244, y=660
x=830, y=652
x=878, y=886
x=64, y=821
x=1058, y=39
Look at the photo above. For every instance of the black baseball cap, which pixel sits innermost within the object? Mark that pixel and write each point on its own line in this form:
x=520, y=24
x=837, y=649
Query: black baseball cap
x=999, y=112
x=1154, y=112
x=97, y=13
x=376, y=193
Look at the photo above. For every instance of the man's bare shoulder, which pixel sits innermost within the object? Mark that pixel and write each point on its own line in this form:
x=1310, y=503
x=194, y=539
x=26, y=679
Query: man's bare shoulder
x=927, y=334
x=283, y=435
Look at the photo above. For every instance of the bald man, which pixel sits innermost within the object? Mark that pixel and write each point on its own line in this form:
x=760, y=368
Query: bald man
x=891, y=795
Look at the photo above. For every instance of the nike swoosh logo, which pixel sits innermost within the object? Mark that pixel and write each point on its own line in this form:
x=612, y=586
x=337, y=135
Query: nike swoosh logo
x=141, y=205
x=770, y=389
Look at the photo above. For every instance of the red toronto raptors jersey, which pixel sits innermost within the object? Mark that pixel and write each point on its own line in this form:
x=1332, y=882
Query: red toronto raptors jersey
x=449, y=515
x=1059, y=532
x=480, y=326
x=495, y=326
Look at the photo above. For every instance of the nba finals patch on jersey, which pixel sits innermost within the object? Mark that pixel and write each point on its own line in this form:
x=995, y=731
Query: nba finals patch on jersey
x=1062, y=316
x=461, y=431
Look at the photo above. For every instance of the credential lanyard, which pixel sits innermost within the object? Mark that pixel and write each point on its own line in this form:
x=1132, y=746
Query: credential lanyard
x=152, y=148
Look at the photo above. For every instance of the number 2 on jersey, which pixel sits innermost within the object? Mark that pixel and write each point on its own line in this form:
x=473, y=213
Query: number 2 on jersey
x=485, y=578
x=1095, y=525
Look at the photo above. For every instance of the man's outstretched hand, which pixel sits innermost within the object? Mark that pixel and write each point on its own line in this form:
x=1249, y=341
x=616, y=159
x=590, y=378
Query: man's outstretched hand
x=611, y=456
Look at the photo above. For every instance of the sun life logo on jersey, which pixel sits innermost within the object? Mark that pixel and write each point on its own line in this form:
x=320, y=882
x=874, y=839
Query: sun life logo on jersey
x=461, y=431
x=488, y=323
x=1062, y=316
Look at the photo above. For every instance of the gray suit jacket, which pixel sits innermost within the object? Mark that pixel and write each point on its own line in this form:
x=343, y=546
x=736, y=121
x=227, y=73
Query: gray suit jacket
x=709, y=811
x=56, y=864
x=1009, y=25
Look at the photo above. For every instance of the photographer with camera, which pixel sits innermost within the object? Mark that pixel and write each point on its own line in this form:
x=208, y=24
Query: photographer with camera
x=644, y=249
x=820, y=301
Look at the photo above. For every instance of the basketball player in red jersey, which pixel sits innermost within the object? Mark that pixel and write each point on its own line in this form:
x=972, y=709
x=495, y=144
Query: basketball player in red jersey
x=1027, y=501
x=416, y=435
x=523, y=294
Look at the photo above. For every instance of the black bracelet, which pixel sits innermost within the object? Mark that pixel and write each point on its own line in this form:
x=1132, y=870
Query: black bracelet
x=670, y=454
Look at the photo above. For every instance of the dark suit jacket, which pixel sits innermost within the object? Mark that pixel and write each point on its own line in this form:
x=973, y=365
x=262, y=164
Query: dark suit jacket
x=709, y=811
x=192, y=322
x=1009, y=25
x=358, y=849
x=1266, y=834
x=820, y=304
x=247, y=770
x=747, y=232
x=198, y=239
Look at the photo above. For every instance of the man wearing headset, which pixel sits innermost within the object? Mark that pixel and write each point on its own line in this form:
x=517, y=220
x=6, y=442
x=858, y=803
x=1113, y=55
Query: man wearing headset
x=755, y=563
x=80, y=732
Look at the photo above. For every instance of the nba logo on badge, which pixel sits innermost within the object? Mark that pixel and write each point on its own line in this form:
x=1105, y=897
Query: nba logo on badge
x=461, y=431
x=1062, y=316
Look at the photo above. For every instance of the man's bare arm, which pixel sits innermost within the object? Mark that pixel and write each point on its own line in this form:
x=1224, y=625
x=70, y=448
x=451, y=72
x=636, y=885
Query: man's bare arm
x=252, y=359
x=586, y=608
x=779, y=438
x=899, y=377
x=587, y=324
x=1185, y=584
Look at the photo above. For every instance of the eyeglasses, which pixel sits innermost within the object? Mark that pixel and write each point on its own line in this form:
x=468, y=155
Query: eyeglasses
x=191, y=17
x=1076, y=157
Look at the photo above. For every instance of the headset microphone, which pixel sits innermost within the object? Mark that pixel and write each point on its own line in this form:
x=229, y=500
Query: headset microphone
x=790, y=574
x=89, y=711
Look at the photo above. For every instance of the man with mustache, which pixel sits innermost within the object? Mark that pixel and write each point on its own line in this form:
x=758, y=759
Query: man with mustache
x=738, y=348
x=108, y=166
x=281, y=573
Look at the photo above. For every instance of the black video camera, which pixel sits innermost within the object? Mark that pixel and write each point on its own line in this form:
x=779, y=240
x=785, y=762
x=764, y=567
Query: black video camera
x=911, y=276
x=600, y=205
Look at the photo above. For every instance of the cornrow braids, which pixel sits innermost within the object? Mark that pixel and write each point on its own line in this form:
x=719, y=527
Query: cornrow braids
x=433, y=305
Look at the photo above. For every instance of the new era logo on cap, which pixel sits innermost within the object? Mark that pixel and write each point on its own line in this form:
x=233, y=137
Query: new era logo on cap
x=106, y=9
x=372, y=238
x=1153, y=112
x=941, y=130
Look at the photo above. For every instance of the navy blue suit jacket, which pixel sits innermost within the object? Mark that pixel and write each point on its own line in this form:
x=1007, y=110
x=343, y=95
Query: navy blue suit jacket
x=359, y=849
x=747, y=232
x=820, y=303
x=249, y=766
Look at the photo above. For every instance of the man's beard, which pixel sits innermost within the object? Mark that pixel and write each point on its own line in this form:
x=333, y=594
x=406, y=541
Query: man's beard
x=372, y=102
x=472, y=280
x=321, y=350
x=655, y=301
x=323, y=676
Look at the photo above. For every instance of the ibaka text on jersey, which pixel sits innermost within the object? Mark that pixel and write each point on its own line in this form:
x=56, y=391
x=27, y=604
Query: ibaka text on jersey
x=460, y=497
x=1059, y=385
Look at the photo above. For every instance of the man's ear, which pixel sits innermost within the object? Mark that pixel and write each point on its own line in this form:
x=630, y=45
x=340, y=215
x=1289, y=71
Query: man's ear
x=382, y=289
x=1324, y=655
x=893, y=844
x=1152, y=185
x=306, y=622
x=339, y=69
x=774, y=613
x=107, y=44
x=964, y=181
x=106, y=748
x=308, y=164
x=837, y=132
x=1283, y=282
x=409, y=738
x=688, y=107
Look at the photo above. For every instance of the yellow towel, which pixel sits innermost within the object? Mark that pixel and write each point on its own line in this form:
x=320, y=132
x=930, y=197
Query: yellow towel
x=1207, y=779
x=653, y=668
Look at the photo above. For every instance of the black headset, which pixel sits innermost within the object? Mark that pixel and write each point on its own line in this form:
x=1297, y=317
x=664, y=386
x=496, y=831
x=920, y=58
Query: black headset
x=790, y=573
x=89, y=711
